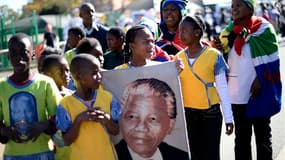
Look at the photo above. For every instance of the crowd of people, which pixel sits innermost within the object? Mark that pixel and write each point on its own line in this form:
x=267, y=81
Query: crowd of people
x=233, y=78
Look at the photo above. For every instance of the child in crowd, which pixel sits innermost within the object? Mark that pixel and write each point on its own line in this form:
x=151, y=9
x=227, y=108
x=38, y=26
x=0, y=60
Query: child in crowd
x=89, y=115
x=204, y=66
x=75, y=34
x=56, y=67
x=28, y=104
x=46, y=51
x=90, y=46
x=141, y=48
x=159, y=54
x=115, y=55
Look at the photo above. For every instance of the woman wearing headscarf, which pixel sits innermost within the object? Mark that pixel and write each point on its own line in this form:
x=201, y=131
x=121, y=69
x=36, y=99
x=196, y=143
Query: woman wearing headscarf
x=171, y=12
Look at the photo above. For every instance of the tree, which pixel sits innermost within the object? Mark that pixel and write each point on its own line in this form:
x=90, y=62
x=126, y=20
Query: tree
x=50, y=7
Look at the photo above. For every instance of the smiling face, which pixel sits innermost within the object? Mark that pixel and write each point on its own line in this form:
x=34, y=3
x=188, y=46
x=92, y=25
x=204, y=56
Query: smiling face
x=20, y=54
x=171, y=15
x=60, y=73
x=143, y=45
x=240, y=11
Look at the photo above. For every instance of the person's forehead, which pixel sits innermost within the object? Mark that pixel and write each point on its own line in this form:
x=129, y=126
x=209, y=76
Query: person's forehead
x=60, y=64
x=144, y=33
x=171, y=5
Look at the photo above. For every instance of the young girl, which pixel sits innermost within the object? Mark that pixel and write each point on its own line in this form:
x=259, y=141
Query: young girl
x=28, y=104
x=140, y=47
x=88, y=116
x=204, y=66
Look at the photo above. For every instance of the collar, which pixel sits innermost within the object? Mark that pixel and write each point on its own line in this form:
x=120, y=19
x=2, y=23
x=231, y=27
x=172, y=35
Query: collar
x=156, y=156
x=86, y=103
x=89, y=31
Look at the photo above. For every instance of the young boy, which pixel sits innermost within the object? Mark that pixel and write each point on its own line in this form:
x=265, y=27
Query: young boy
x=88, y=116
x=56, y=67
x=46, y=51
x=28, y=104
x=75, y=34
x=115, y=54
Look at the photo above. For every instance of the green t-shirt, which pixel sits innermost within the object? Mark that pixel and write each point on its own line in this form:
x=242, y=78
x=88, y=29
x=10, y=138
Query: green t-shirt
x=34, y=101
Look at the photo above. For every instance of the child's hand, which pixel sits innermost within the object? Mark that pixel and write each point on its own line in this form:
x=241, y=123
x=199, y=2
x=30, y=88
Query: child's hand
x=36, y=129
x=11, y=133
x=98, y=115
x=179, y=65
x=84, y=116
x=217, y=44
x=229, y=128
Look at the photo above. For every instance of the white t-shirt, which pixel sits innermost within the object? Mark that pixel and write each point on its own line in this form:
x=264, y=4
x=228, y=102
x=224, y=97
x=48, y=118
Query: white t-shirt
x=241, y=75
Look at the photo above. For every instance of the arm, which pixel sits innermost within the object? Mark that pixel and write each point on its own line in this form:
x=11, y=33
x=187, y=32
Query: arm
x=52, y=98
x=8, y=133
x=111, y=126
x=72, y=132
x=37, y=128
x=223, y=91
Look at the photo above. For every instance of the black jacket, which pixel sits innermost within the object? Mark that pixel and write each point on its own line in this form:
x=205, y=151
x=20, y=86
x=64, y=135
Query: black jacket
x=168, y=152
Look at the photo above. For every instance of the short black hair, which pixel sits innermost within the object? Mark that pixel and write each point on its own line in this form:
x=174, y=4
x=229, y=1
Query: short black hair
x=86, y=44
x=117, y=32
x=81, y=62
x=51, y=60
x=77, y=31
x=17, y=38
x=150, y=87
x=197, y=22
x=46, y=52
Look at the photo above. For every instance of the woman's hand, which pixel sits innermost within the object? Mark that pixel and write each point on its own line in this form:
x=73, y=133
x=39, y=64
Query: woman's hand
x=229, y=128
x=255, y=88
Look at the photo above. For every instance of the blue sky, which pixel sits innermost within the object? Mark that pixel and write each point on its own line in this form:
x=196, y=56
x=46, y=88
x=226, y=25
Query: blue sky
x=16, y=5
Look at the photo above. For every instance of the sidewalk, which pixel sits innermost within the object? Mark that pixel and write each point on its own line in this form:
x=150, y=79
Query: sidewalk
x=281, y=155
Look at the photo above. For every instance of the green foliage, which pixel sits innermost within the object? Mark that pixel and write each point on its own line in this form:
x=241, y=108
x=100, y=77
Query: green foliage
x=53, y=9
